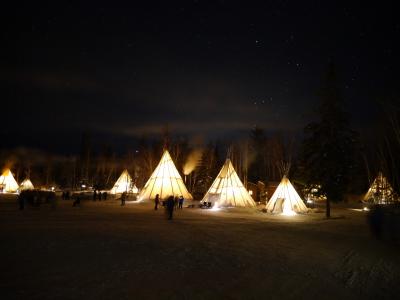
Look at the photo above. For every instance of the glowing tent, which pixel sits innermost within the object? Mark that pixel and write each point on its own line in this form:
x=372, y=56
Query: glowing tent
x=134, y=189
x=26, y=185
x=123, y=184
x=165, y=181
x=228, y=190
x=380, y=192
x=285, y=200
x=7, y=182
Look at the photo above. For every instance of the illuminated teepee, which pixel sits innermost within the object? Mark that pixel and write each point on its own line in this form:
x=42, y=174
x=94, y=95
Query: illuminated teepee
x=285, y=200
x=26, y=185
x=228, y=190
x=165, y=181
x=8, y=183
x=380, y=192
x=123, y=184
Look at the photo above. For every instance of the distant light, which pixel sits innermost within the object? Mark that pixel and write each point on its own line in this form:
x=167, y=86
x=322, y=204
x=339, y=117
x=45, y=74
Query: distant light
x=365, y=209
x=251, y=192
x=83, y=186
x=309, y=201
x=52, y=188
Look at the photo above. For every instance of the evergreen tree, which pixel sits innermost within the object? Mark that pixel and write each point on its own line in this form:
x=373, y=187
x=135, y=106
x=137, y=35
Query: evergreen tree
x=257, y=168
x=207, y=169
x=328, y=148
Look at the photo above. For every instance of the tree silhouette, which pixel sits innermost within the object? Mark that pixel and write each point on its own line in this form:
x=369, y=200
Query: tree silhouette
x=328, y=148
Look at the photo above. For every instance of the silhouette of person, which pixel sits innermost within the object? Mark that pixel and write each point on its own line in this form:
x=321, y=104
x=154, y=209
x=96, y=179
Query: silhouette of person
x=181, y=199
x=170, y=207
x=123, y=198
x=176, y=202
x=77, y=201
x=156, y=201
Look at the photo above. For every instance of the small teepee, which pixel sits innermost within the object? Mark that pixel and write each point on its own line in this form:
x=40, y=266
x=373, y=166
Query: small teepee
x=8, y=183
x=380, y=192
x=26, y=185
x=228, y=190
x=165, y=181
x=123, y=184
x=285, y=200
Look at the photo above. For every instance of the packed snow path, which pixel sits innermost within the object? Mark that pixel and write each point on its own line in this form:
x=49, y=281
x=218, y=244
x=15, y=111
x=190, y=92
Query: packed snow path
x=105, y=251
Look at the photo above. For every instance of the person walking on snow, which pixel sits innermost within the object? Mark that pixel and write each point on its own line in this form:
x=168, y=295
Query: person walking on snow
x=156, y=201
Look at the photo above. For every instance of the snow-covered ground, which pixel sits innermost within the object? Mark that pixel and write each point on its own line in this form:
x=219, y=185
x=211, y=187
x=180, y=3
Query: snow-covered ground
x=104, y=251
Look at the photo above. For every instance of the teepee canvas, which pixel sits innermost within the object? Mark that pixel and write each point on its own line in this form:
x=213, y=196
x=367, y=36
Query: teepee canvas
x=123, y=184
x=134, y=189
x=380, y=192
x=285, y=200
x=7, y=182
x=26, y=185
x=165, y=181
x=228, y=190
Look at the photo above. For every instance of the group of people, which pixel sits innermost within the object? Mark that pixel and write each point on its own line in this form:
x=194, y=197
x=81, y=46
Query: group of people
x=35, y=198
x=98, y=195
x=172, y=203
x=66, y=195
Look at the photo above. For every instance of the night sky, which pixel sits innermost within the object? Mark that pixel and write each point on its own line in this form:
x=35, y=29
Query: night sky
x=207, y=68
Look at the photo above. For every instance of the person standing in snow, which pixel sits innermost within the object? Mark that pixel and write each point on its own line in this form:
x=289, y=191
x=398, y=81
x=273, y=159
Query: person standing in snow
x=181, y=199
x=123, y=198
x=176, y=202
x=170, y=207
x=99, y=195
x=156, y=201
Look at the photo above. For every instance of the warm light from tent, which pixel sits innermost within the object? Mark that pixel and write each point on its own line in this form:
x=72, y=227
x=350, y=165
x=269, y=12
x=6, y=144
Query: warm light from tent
x=289, y=213
x=215, y=207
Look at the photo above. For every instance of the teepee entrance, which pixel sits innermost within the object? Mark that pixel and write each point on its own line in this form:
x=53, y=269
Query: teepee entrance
x=285, y=200
x=228, y=190
x=165, y=181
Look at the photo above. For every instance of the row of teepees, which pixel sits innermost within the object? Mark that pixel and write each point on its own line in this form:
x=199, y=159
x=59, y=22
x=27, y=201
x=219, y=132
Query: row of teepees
x=10, y=185
x=227, y=190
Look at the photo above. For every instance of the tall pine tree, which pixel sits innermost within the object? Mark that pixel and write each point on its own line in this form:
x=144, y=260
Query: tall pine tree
x=328, y=147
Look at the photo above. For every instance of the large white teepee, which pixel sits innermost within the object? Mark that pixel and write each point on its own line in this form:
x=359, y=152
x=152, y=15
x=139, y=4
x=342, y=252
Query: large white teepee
x=7, y=182
x=228, y=190
x=380, y=192
x=26, y=185
x=285, y=200
x=123, y=184
x=165, y=181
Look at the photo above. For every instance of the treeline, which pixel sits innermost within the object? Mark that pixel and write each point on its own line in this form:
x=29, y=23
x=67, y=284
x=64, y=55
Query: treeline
x=329, y=154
